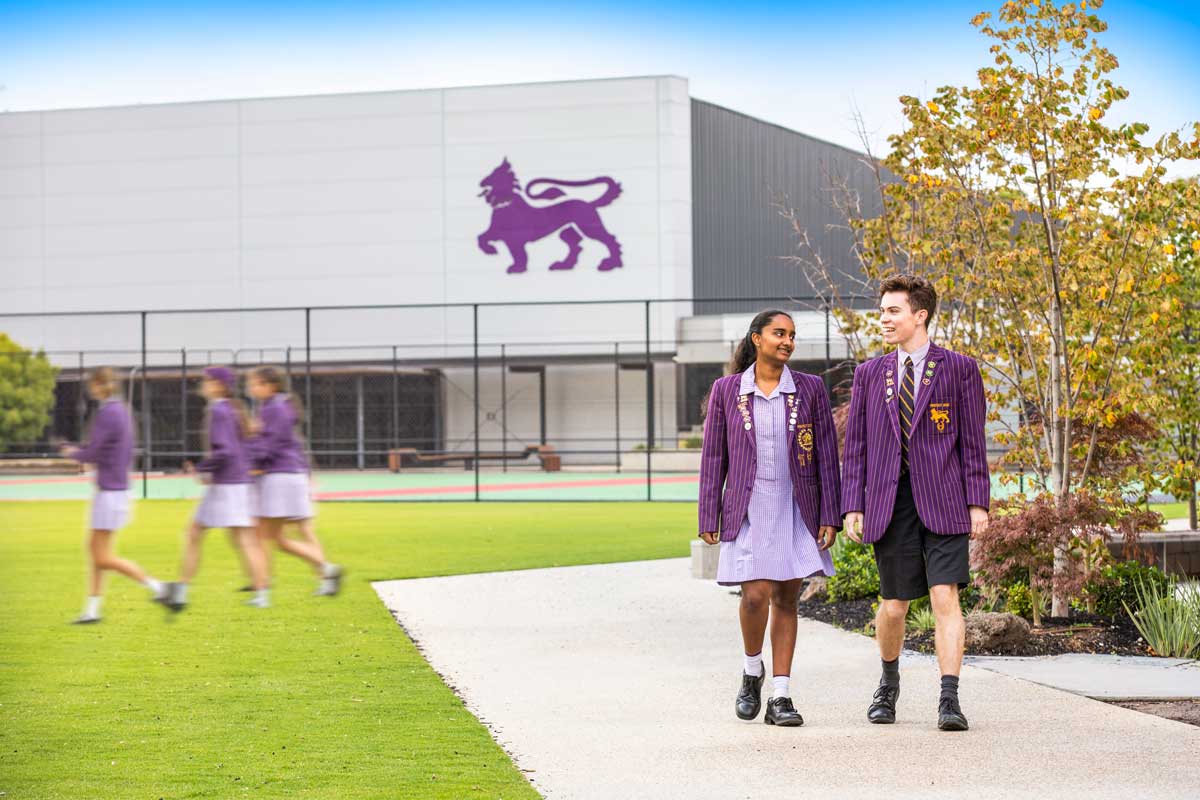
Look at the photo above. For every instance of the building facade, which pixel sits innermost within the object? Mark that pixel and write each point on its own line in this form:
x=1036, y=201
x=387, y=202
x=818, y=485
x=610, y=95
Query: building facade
x=536, y=245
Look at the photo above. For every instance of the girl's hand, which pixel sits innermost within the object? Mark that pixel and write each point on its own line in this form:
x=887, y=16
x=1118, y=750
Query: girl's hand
x=853, y=526
x=204, y=478
x=826, y=537
x=710, y=537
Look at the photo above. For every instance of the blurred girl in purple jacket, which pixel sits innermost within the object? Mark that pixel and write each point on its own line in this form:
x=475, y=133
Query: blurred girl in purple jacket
x=110, y=448
x=283, y=487
x=227, y=503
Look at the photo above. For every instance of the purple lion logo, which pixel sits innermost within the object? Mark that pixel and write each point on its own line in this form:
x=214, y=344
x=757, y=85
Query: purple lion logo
x=517, y=223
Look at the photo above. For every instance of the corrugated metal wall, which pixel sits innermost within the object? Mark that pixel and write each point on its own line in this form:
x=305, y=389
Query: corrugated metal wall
x=740, y=166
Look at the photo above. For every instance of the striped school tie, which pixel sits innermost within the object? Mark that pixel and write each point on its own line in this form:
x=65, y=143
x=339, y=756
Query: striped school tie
x=906, y=413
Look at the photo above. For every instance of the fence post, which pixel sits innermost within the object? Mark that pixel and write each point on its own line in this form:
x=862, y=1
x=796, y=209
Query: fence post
x=183, y=404
x=395, y=399
x=475, y=363
x=504, y=408
x=80, y=402
x=828, y=360
x=617, y=403
x=308, y=380
x=649, y=406
x=146, y=444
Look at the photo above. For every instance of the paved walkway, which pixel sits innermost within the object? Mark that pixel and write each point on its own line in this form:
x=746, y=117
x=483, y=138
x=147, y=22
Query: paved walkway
x=1107, y=677
x=617, y=681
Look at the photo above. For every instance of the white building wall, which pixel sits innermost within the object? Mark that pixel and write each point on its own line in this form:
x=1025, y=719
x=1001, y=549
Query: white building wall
x=337, y=200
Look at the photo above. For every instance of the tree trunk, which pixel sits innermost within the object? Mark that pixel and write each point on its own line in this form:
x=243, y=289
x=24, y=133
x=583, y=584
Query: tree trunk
x=1060, y=451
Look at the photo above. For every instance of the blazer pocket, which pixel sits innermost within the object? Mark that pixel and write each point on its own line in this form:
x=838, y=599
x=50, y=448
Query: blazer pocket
x=940, y=416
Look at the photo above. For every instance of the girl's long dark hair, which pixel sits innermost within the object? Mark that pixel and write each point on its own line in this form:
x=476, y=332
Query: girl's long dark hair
x=745, y=353
x=239, y=412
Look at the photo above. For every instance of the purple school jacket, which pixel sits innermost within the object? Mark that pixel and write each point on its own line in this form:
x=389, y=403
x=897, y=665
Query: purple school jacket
x=226, y=460
x=109, y=445
x=728, y=461
x=277, y=447
x=947, y=452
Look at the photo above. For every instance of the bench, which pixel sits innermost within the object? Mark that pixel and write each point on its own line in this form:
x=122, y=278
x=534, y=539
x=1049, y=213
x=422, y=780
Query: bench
x=398, y=457
x=40, y=466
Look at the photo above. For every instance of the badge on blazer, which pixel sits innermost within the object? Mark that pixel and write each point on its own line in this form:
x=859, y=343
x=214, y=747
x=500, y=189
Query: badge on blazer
x=804, y=437
x=939, y=415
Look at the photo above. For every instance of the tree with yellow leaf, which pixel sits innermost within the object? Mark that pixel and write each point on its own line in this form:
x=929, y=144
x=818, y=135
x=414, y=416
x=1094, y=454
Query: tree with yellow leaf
x=1045, y=231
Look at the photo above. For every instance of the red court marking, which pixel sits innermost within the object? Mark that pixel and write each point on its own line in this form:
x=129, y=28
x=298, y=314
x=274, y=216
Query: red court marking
x=501, y=487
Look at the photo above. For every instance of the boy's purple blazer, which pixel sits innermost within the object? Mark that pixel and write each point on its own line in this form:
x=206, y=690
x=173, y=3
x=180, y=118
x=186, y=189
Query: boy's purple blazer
x=109, y=445
x=227, y=460
x=729, y=459
x=947, y=451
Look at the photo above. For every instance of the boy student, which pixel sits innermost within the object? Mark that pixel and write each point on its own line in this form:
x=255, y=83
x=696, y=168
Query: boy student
x=915, y=484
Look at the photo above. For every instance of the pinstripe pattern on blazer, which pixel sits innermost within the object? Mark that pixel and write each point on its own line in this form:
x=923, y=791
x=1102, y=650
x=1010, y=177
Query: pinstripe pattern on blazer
x=729, y=459
x=947, y=451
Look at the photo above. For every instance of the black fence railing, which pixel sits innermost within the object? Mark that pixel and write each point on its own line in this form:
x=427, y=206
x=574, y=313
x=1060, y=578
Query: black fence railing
x=576, y=386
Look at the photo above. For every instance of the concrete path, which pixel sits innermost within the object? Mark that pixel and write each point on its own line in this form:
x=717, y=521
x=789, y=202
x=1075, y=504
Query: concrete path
x=1107, y=677
x=617, y=681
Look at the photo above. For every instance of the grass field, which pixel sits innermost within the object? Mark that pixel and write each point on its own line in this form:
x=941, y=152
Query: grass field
x=313, y=698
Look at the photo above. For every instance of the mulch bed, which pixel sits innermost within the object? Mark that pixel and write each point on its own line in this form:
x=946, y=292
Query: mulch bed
x=1080, y=634
x=1179, y=710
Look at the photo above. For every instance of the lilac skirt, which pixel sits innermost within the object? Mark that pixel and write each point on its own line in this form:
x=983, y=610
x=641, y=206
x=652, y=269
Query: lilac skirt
x=110, y=509
x=226, y=505
x=284, y=495
x=773, y=543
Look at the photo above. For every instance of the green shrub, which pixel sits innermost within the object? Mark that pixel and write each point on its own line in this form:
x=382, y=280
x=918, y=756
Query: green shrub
x=857, y=576
x=1019, y=600
x=1167, y=618
x=1117, y=585
x=920, y=616
x=693, y=443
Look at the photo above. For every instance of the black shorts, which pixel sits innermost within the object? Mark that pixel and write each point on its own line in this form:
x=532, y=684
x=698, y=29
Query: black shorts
x=911, y=558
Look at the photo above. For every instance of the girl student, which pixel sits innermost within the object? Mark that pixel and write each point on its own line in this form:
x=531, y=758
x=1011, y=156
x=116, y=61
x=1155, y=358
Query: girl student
x=770, y=495
x=283, y=486
x=227, y=501
x=110, y=448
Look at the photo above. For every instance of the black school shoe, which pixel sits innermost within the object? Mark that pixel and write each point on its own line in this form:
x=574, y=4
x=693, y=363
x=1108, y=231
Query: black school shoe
x=781, y=712
x=883, y=704
x=950, y=716
x=749, y=697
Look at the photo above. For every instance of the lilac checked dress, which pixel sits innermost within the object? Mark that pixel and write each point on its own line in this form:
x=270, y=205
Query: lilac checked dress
x=773, y=542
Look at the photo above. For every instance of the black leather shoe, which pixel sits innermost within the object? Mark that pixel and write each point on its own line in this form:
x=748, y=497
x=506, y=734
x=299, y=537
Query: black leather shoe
x=950, y=716
x=749, y=697
x=883, y=704
x=781, y=712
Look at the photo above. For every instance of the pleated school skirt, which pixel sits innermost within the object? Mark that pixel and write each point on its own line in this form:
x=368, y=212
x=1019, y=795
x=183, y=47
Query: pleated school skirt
x=111, y=509
x=226, y=505
x=284, y=495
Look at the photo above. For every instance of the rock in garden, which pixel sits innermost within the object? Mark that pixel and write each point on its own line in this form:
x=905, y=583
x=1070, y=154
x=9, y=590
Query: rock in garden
x=815, y=589
x=988, y=630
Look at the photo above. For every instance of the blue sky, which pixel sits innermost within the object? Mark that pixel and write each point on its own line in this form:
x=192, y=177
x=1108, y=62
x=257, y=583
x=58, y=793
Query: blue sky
x=800, y=64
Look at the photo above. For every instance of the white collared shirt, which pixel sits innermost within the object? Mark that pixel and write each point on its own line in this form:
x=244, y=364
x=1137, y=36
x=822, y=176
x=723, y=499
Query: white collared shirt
x=918, y=359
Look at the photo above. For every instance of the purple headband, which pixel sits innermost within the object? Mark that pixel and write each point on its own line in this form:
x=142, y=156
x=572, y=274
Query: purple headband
x=223, y=374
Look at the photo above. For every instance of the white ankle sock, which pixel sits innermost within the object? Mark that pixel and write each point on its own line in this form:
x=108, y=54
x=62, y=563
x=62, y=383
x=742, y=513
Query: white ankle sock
x=181, y=592
x=91, y=607
x=263, y=595
x=155, y=587
x=780, y=686
x=328, y=569
x=752, y=665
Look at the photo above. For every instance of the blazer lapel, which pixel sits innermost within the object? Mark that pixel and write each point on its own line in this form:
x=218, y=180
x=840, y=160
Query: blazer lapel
x=933, y=368
x=891, y=402
x=793, y=399
x=743, y=421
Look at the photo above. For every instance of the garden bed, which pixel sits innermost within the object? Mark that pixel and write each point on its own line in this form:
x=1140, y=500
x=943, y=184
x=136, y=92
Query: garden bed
x=1179, y=710
x=1080, y=634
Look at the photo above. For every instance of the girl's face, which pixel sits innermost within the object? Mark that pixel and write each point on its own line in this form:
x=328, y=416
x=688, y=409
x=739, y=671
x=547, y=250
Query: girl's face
x=777, y=340
x=259, y=390
x=97, y=391
x=211, y=389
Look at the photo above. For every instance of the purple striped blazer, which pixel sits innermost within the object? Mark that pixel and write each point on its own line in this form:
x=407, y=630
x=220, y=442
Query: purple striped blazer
x=729, y=459
x=947, y=451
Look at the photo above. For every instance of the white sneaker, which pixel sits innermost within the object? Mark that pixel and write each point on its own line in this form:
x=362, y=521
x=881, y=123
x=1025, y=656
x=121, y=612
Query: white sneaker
x=259, y=602
x=85, y=619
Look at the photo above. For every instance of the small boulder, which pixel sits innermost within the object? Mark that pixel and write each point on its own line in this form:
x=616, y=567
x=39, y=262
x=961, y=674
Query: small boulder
x=987, y=630
x=815, y=589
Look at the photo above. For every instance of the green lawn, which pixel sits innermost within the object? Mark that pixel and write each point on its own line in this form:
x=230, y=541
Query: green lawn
x=313, y=698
